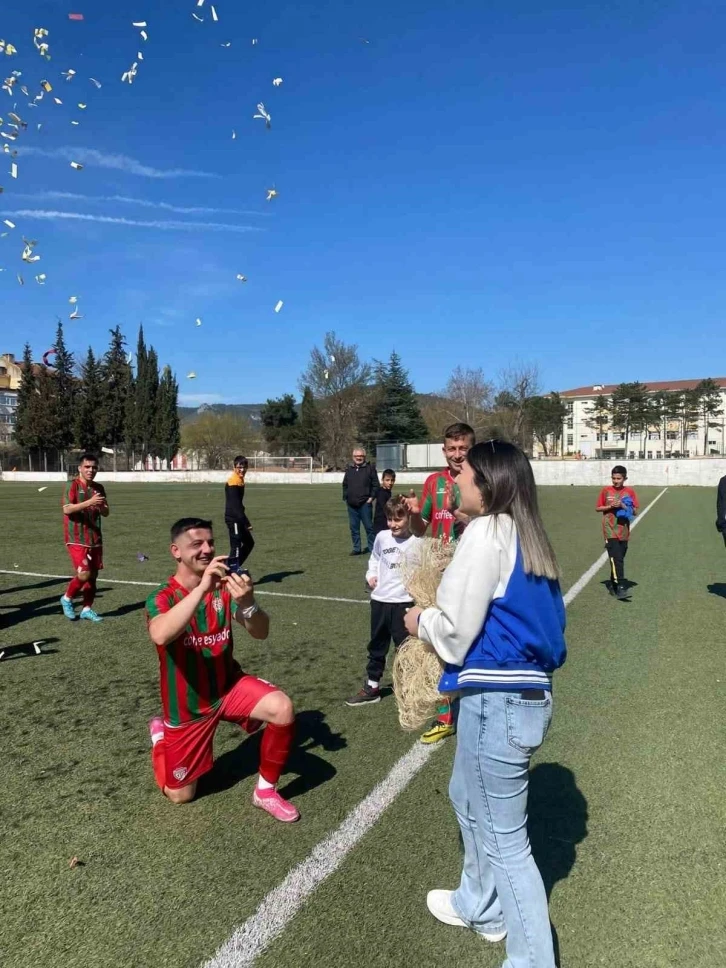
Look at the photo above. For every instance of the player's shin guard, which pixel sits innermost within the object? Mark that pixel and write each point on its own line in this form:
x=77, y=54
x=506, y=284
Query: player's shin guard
x=274, y=750
x=158, y=761
x=74, y=587
x=89, y=592
x=445, y=714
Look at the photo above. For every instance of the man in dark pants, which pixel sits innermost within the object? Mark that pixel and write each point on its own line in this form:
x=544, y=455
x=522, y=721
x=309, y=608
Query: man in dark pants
x=360, y=483
x=721, y=508
x=241, y=541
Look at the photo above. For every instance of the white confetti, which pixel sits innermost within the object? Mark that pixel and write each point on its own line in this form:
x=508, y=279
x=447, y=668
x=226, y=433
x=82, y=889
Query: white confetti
x=13, y=170
x=20, y=279
x=144, y=35
x=263, y=114
x=82, y=106
x=198, y=321
x=27, y=255
x=278, y=306
x=73, y=300
x=129, y=359
x=57, y=100
x=271, y=193
x=69, y=74
x=255, y=41
x=228, y=44
x=40, y=278
x=75, y=122
x=277, y=81
x=191, y=376
x=10, y=225
x=234, y=135
x=215, y=18
x=200, y=3
x=75, y=315
x=200, y=19
x=77, y=166
x=139, y=55
x=140, y=23
x=130, y=74
x=40, y=491
x=94, y=81
x=241, y=278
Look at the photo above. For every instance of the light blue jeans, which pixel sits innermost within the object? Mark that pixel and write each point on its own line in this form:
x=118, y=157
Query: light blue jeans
x=497, y=733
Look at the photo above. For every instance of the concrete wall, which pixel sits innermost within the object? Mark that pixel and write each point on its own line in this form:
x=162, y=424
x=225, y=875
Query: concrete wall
x=695, y=472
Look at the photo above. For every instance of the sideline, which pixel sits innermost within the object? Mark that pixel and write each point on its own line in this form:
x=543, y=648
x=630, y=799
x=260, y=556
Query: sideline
x=281, y=905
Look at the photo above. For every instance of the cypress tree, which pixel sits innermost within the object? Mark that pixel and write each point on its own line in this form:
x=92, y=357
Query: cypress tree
x=116, y=379
x=309, y=426
x=148, y=403
x=134, y=429
x=63, y=398
x=26, y=433
x=88, y=425
x=167, y=431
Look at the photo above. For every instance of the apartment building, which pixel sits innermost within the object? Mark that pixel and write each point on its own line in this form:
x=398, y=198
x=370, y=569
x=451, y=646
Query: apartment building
x=10, y=376
x=580, y=436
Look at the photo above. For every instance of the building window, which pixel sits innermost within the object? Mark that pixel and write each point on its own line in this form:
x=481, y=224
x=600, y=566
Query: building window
x=650, y=455
x=672, y=434
x=659, y=455
x=712, y=443
x=570, y=440
x=653, y=435
x=602, y=436
x=570, y=422
x=692, y=435
x=631, y=455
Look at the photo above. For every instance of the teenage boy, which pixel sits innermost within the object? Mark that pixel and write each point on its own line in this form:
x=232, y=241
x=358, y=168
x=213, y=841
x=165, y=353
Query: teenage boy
x=190, y=623
x=382, y=497
x=238, y=524
x=439, y=507
x=84, y=504
x=618, y=505
x=389, y=598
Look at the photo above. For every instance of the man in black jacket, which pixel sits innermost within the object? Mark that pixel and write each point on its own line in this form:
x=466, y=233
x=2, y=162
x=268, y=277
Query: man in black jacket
x=360, y=484
x=721, y=508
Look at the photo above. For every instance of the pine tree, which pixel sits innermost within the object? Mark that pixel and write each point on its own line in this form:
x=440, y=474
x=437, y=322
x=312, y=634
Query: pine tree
x=280, y=423
x=134, y=424
x=46, y=416
x=393, y=413
x=309, y=426
x=116, y=378
x=26, y=432
x=64, y=395
x=88, y=423
x=147, y=404
x=167, y=432
x=710, y=404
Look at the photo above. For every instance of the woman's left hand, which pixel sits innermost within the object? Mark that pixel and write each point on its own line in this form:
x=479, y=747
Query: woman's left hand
x=410, y=620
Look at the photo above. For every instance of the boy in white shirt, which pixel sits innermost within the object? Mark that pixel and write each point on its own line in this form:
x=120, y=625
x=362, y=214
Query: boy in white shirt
x=389, y=598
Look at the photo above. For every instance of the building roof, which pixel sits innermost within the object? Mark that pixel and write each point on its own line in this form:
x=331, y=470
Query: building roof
x=607, y=388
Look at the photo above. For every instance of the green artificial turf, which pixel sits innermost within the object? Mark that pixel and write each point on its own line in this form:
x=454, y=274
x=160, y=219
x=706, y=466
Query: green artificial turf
x=627, y=806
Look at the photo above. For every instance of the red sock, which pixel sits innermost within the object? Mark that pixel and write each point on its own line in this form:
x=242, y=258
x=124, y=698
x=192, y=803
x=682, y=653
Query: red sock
x=446, y=715
x=274, y=750
x=74, y=587
x=89, y=593
x=158, y=761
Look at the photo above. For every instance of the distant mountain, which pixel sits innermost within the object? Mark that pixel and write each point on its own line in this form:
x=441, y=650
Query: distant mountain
x=249, y=410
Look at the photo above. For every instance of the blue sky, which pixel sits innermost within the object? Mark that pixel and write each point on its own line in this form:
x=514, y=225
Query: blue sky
x=480, y=182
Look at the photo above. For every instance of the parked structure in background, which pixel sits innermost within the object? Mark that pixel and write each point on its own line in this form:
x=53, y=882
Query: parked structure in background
x=10, y=376
x=668, y=419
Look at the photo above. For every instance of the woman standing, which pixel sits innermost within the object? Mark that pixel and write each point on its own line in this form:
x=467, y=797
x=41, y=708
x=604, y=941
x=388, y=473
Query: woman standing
x=498, y=626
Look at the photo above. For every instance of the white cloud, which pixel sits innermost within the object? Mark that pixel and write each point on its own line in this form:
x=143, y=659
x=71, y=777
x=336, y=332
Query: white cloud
x=145, y=203
x=171, y=225
x=98, y=159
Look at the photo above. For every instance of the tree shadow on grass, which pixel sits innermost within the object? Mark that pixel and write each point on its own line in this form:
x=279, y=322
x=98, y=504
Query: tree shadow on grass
x=39, y=608
x=38, y=584
x=238, y=764
x=277, y=577
x=557, y=823
x=26, y=650
x=717, y=588
x=125, y=609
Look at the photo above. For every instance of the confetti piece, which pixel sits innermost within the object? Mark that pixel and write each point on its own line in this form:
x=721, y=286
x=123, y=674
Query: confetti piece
x=326, y=374
x=77, y=166
x=27, y=255
x=278, y=305
x=57, y=100
x=73, y=300
x=82, y=106
x=271, y=193
x=215, y=18
x=228, y=44
x=7, y=49
x=69, y=75
x=75, y=122
x=140, y=23
x=277, y=81
x=13, y=170
x=263, y=114
x=94, y=81
x=200, y=19
x=241, y=277
x=73, y=862
x=255, y=41
x=75, y=315
x=130, y=74
x=198, y=321
x=144, y=35
x=47, y=86
x=41, y=489
x=25, y=90
x=130, y=359
x=200, y=3
x=234, y=134
x=75, y=16
x=10, y=225
x=40, y=278
x=140, y=556
x=139, y=55
x=191, y=376
x=20, y=279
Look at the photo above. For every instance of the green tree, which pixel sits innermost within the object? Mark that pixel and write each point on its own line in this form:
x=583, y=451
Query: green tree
x=117, y=381
x=45, y=414
x=628, y=403
x=665, y=409
x=213, y=440
x=136, y=399
x=309, y=426
x=26, y=430
x=687, y=411
x=545, y=416
x=88, y=423
x=710, y=405
x=393, y=412
x=167, y=433
x=63, y=397
x=280, y=422
x=598, y=417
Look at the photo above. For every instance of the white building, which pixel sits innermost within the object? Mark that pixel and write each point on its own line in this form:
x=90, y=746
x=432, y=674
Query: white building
x=581, y=435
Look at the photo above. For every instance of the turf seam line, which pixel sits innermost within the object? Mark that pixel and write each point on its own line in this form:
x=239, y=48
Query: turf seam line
x=155, y=584
x=595, y=567
x=283, y=902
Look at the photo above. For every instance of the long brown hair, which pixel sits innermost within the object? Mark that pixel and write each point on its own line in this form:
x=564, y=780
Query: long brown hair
x=504, y=476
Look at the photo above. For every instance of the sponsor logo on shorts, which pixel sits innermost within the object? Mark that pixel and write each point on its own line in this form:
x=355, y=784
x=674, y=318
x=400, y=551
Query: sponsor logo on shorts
x=179, y=773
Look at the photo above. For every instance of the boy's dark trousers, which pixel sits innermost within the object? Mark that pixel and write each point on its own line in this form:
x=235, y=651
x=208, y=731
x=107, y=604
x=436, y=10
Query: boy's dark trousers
x=617, y=551
x=386, y=624
x=241, y=543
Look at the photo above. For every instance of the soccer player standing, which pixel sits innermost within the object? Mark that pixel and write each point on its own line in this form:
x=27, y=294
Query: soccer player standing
x=84, y=504
x=618, y=504
x=190, y=623
x=439, y=507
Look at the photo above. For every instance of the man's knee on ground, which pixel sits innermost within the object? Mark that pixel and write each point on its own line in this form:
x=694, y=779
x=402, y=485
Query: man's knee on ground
x=183, y=795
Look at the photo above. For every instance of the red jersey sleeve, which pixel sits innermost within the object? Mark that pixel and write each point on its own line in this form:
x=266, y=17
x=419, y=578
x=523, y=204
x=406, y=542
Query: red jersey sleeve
x=427, y=500
x=602, y=499
x=161, y=601
x=71, y=493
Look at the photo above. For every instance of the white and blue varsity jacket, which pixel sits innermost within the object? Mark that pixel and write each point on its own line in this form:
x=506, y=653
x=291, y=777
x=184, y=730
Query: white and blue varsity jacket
x=494, y=626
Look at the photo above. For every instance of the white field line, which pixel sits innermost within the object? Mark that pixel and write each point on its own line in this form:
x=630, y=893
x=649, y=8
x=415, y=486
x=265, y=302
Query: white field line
x=155, y=584
x=595, y=567
x=281, y=905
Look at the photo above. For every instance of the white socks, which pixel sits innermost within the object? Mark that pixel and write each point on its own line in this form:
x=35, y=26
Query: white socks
x=263, y=784
x=373, y=685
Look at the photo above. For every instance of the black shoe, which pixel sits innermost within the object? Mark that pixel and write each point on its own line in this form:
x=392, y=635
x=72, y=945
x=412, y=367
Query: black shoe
x=612, y=588
x=367, y=695
x=622, y=593
x=355, y=554
x=367, y=552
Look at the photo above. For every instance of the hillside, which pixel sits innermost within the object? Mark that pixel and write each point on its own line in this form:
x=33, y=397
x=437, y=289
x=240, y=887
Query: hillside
x=249, y=410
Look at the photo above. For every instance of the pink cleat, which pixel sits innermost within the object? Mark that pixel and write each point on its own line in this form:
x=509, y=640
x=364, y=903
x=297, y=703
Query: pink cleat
x=156, y=729
x=275, y=805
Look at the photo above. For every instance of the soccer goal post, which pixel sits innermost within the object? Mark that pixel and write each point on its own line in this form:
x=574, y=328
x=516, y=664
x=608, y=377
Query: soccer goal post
x=302, y=467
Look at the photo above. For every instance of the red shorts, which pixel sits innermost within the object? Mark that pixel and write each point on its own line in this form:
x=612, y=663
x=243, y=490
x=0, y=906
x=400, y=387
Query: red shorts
x=188, y=748
x=86, y=559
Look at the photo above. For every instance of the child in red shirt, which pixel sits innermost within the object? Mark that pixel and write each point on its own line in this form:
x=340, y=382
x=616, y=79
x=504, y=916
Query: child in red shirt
x=616, y=526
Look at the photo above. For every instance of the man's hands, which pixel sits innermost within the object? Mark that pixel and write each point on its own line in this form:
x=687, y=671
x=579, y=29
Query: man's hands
x=97, y=501
x=412, y=503
x=215, y=571
x=241, y=589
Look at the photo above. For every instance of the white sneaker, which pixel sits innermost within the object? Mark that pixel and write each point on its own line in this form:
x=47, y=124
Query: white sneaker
x=439, y=904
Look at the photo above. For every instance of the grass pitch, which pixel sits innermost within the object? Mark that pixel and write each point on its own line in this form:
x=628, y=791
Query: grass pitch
x=627, y=807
